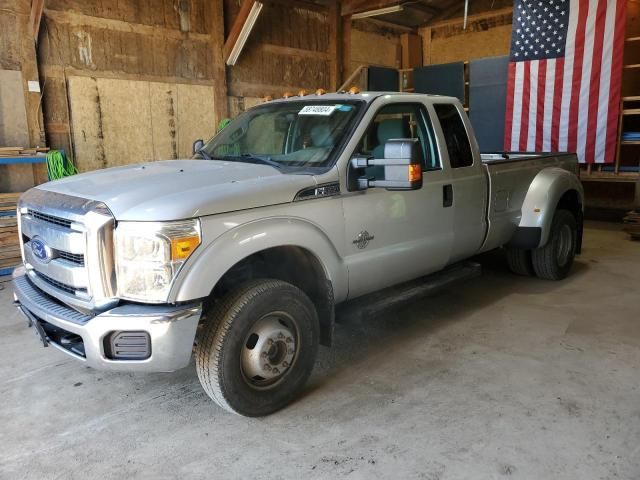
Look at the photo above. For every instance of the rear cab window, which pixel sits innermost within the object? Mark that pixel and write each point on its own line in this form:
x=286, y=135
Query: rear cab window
x=455, y=135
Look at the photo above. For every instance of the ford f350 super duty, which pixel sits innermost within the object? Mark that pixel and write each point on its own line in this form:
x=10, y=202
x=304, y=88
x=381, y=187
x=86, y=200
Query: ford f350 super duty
x=241, y=254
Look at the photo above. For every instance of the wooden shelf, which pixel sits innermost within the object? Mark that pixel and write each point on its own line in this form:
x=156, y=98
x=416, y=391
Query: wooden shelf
x=634, y=65
x=609, y=177
x=631, y=99
x=631, y=111
x=630, y=142
x=632, y=39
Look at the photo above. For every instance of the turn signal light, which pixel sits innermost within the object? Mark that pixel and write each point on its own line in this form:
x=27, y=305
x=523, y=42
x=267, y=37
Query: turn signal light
x=182, y=247
x=415, y=172
x=354, y=90
x=321, y=91
x=302, y=93
x=267, y=98
x=287, y=95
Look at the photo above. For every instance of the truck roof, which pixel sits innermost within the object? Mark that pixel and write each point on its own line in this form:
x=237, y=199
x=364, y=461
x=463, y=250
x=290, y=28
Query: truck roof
x=365, y=96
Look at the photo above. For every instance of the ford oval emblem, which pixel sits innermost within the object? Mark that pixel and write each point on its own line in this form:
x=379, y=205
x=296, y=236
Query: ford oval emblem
x=41, y=250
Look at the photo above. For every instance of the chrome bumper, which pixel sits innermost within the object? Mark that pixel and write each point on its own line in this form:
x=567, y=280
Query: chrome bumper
x=171, y=329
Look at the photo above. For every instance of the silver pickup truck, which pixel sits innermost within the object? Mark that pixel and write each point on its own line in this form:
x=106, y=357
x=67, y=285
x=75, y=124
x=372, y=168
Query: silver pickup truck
x=242, y=253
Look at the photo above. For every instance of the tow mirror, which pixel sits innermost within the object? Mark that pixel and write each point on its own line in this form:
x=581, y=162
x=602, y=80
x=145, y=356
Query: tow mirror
x=402, y=168
x=198, y=145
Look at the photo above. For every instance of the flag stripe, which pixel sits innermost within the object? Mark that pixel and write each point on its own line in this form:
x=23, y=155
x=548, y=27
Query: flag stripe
x=557, y=105
x=616, y=81
x=509, y=109
x=578, y=58
x=548, y=104
x=533, y=105
x=605, y=79
x=594, y=83
x=524, y=119
x=568, y=74
x=542, y=80
x=517, y=107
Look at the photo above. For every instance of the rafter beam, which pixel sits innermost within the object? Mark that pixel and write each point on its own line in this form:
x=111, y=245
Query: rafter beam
x=349, y=7
x=240, y=30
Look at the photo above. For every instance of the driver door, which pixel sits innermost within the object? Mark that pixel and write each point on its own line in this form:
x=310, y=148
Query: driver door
x=395, y=236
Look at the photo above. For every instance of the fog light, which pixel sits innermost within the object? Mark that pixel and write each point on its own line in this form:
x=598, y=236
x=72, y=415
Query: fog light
x=128, y=346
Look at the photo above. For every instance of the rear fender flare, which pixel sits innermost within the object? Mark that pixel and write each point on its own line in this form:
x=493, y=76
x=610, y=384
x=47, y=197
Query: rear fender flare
x=541, y=201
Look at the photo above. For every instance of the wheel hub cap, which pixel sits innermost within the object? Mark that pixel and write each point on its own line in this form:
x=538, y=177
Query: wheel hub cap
x=269, y=351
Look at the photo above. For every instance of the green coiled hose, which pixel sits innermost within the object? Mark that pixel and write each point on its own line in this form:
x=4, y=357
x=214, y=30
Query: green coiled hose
x=58, y=166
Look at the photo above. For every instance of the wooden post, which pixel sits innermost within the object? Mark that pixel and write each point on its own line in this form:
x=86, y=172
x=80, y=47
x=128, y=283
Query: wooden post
x=336, y=46
x=346, y=46
x=216, y=31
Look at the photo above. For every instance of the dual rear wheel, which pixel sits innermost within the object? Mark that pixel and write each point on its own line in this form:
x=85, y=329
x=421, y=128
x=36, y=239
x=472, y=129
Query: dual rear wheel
x=553, y=261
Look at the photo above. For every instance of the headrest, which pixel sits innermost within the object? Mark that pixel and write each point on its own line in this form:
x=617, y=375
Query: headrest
x=388, y=129
x=321, y=136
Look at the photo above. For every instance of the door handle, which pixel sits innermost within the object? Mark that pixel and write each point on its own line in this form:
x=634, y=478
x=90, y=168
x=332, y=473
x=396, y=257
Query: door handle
x=447, y=195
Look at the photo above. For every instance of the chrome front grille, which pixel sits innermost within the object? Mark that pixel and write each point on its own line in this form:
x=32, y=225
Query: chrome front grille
x=78, y=259
x=62, y=286
x=72, y=259
x=62, y=222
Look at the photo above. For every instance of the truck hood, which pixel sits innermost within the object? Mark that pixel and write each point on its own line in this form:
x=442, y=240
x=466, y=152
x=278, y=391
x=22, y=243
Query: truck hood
x=178, y=189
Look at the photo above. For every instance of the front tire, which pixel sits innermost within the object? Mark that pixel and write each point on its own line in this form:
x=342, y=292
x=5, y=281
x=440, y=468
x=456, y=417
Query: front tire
x=554, y=260
x=258, y=347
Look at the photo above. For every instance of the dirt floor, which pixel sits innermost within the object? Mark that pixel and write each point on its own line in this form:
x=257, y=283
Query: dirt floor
x=502, y=376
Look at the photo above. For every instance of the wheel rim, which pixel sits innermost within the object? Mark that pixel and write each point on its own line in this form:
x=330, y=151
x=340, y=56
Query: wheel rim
x=565, y=245
x=270, y=350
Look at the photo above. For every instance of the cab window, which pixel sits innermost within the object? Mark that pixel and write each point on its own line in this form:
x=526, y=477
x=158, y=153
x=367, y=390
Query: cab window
x=455, y=135
x=401, y=121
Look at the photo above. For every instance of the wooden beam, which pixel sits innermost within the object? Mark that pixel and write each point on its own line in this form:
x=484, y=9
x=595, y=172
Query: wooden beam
x=349, y=7
x=335, y=45
x=294, y=52
x=441, y=21
x=216, y=32
x=35, y=16
x=236, y=28
x=346, y=46
x=303, y=4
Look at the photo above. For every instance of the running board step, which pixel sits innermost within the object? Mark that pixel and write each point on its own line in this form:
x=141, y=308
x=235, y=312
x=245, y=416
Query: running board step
x=398, y=294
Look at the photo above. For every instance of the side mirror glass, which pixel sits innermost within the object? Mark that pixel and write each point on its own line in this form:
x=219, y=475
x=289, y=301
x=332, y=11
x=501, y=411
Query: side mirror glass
x=402, y=168
x=198, y=145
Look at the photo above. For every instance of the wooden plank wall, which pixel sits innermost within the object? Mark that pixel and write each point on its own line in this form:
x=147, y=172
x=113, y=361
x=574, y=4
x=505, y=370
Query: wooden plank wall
x=146, y=44
x=365, y=34
x=288, y=50
x=21, y=117
x=486, y=35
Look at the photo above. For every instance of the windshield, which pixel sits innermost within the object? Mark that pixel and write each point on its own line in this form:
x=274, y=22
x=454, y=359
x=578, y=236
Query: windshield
x=291, y=136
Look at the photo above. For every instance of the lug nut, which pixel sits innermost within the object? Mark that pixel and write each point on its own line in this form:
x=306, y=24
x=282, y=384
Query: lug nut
x=267, y=367
x=285, y=364
x=276, y=371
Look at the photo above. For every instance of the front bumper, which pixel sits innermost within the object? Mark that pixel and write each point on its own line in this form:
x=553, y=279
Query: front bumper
x=171, y=329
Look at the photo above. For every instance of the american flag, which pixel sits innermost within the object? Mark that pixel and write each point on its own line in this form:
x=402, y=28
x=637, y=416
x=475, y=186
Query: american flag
x=565, y=71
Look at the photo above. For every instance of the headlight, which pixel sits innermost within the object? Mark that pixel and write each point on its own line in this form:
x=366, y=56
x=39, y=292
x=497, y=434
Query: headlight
x=149, y=256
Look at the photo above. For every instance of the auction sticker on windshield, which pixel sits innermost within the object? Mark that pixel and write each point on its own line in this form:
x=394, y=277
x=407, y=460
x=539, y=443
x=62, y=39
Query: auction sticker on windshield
x=325, y=110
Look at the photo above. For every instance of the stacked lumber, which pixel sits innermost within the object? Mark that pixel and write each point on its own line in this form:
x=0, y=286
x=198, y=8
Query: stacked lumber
x=9, y=240
x=632, y=224
x=21, y=152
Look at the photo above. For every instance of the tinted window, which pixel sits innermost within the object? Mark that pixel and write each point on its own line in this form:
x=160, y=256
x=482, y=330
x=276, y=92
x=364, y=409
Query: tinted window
x=455, y=135
x=401, y=121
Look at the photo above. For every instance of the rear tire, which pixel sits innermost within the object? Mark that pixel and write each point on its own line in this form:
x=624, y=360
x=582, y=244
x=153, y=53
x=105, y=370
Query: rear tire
x=519, y=261
x=554, y=260
x=258, y=347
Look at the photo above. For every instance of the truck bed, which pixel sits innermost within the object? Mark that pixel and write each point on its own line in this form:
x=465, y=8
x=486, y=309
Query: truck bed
x=510, y=175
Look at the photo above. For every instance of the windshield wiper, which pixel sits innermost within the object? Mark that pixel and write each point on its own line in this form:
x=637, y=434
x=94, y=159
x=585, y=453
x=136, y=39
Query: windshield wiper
x=247, y=157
